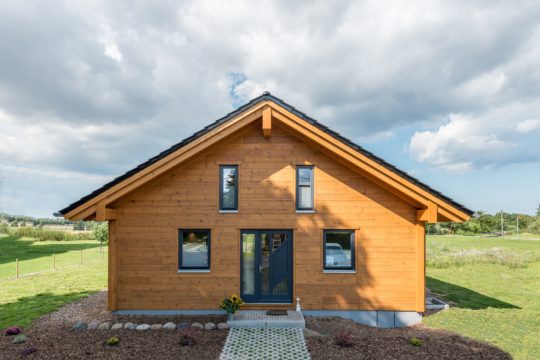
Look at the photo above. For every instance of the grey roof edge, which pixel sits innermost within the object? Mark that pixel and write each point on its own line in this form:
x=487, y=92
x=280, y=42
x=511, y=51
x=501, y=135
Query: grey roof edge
x=266, y=96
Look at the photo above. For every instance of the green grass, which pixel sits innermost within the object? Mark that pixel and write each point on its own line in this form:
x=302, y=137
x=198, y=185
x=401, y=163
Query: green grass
x=36, y=256
x=25, y=299
x=491, y=301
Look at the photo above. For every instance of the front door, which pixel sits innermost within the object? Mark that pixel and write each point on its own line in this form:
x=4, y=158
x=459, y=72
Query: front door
x=266, y=266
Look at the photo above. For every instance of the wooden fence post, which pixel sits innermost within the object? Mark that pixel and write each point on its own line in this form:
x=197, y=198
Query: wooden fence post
x=81, y=256
x=17, y=268
x=54, y=261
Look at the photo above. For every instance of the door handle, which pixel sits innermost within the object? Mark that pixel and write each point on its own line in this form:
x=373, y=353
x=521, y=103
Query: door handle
x=260, y=267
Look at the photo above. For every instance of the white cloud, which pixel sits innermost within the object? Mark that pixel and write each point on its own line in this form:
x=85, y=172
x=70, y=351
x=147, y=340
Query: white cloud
x=528, y=125
x=491, y=138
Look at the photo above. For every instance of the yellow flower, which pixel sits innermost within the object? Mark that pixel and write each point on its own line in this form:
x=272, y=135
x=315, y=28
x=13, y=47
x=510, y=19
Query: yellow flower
x=234, y=298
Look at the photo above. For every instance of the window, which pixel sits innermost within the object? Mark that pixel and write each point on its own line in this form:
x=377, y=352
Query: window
x=304, y=187
x=228, y=187
x=339, y=250
x=194, y=250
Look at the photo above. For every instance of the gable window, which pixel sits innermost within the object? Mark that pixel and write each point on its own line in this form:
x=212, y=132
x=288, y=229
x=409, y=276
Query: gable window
x=228, y=187
x=339, y=250
x=194, y=250
x=304, y=188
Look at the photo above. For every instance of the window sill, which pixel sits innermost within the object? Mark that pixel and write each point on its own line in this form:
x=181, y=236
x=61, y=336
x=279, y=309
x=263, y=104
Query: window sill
x=228, y=211
x=194, y=271
x=305, y=211
x=326, y=271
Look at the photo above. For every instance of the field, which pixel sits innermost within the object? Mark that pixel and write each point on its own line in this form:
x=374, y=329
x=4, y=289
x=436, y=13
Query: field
x=25, y=299
x=495, y=293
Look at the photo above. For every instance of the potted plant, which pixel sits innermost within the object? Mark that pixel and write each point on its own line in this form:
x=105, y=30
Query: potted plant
x=231, y=305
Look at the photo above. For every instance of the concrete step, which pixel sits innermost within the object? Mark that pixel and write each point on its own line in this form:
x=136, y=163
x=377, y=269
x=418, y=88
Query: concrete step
x=259, y=319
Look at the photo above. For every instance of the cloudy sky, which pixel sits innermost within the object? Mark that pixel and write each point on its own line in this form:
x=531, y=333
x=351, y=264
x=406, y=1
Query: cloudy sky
x=447, y=91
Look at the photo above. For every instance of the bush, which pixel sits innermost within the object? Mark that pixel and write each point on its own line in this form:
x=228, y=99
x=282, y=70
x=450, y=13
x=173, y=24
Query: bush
x=113, y=341
x=4, y=229
x=28, y=351
x=415, y=342
x=13, y=330
x=188, y=336
x=48, y=235
x=343, y=338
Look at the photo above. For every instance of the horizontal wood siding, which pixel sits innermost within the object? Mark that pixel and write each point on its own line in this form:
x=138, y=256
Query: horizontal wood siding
x=146, y=231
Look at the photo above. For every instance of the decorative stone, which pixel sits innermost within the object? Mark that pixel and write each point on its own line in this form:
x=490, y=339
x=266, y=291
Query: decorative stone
x=156, y=327
x=93, y=325
x=20, y=339
x=222, y=326
x=130, y=326
x=183, y=325
x=104, y=326
x=197, y=325
x=117, y=326
x=79, y=326
x=169, y=326
x=209, y=326
x=143, y=327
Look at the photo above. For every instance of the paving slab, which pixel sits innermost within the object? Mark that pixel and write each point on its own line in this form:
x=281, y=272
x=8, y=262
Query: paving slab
x=264, y=344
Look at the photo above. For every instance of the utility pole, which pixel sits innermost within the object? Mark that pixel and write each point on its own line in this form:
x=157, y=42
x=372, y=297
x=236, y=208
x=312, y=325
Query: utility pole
x=502, y=224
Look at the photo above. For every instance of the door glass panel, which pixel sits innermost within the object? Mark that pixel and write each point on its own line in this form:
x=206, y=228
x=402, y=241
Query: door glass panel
x=277, y=240
x=265, y=264
x=248, y=264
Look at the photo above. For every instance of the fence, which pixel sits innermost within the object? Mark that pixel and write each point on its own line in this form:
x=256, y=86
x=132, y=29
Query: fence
x=50, y=263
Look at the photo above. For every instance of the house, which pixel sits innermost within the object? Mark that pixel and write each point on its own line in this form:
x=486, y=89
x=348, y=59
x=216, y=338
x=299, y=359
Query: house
x=272, y=205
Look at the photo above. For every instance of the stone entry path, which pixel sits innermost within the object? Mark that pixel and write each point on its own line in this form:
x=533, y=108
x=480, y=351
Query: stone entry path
x=265, y=343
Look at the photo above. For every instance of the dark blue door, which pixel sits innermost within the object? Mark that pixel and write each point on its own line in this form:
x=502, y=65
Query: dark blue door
x=266, y=266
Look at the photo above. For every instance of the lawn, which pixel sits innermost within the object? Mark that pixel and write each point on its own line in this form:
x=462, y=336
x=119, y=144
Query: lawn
x=36, y=256
x=25, y=299
x=494, y=301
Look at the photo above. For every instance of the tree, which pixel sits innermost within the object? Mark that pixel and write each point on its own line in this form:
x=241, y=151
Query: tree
x=101, y=232
x=538, y=210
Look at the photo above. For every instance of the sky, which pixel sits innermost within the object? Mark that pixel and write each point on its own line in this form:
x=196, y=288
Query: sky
x=448, y=91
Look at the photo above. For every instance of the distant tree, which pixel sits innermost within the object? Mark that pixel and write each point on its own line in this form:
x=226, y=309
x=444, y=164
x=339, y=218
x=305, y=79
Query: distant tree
x=538, y=210
x=101, y=232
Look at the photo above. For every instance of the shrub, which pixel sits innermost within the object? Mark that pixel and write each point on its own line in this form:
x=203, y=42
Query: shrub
x=113, y=341
x=28, y=351
x=415, y=342
x=188, y=337
x=343, y=338
x=13, y=330
x=4, y=229
x=49, y=235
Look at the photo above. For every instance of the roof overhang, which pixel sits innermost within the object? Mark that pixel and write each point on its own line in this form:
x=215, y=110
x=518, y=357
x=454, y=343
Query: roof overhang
x=430, y=207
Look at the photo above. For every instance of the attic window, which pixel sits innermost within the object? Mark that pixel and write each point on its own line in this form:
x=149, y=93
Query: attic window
x=228, y=187
x=304, y=188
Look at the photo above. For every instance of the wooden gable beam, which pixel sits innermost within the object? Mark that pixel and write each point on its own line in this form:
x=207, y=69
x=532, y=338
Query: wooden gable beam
x=267, y=121
x=429, y=214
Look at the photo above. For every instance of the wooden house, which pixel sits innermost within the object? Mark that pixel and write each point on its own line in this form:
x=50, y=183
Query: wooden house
x=272, y=205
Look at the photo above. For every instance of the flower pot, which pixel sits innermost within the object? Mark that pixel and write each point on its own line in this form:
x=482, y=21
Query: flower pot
x=230, y=316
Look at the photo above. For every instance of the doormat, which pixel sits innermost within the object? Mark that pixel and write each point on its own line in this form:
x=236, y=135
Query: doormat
x=276, y=312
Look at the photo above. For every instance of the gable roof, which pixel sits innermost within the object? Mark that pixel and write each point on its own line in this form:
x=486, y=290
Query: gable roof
x=265, y=97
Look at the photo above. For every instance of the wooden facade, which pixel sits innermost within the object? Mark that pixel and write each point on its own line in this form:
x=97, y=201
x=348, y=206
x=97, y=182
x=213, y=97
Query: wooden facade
x=387, y=214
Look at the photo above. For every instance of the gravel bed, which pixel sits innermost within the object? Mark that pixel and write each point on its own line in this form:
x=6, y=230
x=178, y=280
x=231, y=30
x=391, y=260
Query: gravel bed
x=53, y=337
x=373, y=343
